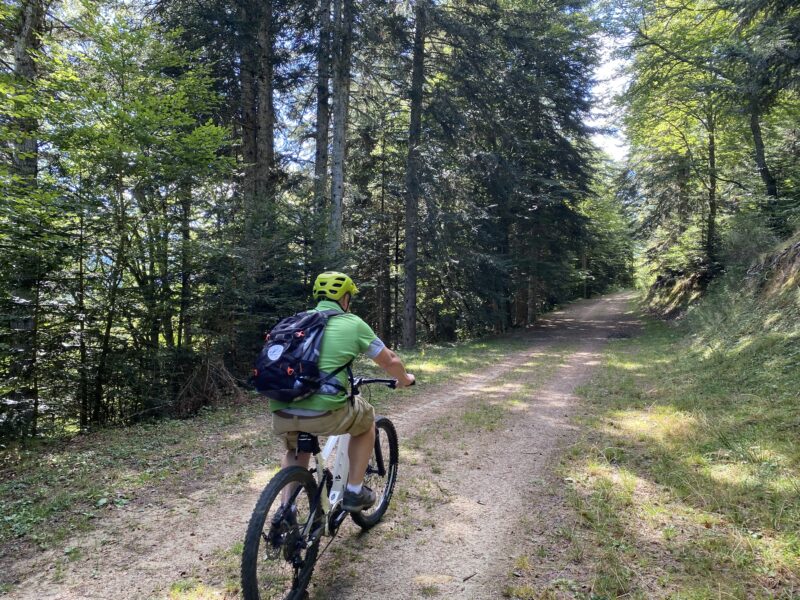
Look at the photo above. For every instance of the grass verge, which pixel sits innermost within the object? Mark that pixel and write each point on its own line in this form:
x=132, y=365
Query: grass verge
x=687, y=484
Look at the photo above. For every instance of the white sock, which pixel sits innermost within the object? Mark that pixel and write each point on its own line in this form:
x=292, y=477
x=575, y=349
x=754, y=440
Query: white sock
x=354, y=488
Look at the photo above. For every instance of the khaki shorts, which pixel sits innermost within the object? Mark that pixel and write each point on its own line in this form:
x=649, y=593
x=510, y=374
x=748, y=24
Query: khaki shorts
x=355, y=419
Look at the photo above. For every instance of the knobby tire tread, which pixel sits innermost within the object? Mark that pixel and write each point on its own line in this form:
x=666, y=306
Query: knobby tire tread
x=253, y=539
x=383, y=426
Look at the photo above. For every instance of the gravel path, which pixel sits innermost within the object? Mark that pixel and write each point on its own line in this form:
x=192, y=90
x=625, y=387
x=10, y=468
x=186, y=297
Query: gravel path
x=463, y=546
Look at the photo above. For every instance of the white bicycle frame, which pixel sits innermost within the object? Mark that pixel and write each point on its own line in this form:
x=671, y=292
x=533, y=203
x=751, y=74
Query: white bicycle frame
x=340, y=471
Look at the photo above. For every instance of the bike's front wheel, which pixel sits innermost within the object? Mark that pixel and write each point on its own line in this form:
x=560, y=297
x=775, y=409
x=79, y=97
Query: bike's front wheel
x=381, y=473
x=282, y=539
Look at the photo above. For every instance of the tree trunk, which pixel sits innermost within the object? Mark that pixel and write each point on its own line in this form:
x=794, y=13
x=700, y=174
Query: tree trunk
x=165, y=307
x=26, y=280
x=684, y=209
x=265, y=112
x=396, y=324
x=343, y=33
x=83, y=385
x=761, y=161
x=585, y=269
x=184, y=318
x=323, y=116
x=26, y=42
x=413, y=169
x=150, y=292
x=520, y=303
x=384, y=274
x=532, y=301
x=33, y=371
x=711, y=224
x=247, y=69
x=504, y=279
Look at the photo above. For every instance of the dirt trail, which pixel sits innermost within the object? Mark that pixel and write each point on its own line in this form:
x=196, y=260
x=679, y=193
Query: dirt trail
x=138, y=553
x=463, y=547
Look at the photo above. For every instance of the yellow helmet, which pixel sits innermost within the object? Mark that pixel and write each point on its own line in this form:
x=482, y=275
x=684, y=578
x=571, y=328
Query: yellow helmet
x=333, y=285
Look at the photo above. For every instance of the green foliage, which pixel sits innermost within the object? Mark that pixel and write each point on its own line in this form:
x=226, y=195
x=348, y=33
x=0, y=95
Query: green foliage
x=609, y=239
x=128, y=152
x=746, y=239
x=151, y=245
x=708, y=90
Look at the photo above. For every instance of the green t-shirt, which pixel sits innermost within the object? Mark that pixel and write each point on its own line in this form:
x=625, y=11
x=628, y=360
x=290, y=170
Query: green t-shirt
x=346, y=336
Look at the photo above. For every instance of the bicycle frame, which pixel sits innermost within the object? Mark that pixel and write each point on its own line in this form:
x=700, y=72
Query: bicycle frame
x=341, y=470
x=341, y=465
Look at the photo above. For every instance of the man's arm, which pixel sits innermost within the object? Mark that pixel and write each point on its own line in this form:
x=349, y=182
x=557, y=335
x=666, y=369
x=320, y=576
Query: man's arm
x=391, y=363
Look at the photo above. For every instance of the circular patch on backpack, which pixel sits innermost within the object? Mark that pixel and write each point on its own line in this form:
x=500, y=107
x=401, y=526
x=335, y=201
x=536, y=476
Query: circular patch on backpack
x=274, y=352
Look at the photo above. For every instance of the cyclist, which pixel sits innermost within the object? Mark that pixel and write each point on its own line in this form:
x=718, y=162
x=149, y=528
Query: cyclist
x=329, y=412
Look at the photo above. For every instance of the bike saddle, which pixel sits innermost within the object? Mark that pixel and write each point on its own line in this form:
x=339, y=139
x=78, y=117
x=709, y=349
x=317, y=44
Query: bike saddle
x=307, y=442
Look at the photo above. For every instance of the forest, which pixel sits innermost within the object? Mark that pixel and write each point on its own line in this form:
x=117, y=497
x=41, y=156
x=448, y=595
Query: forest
x=174, y=174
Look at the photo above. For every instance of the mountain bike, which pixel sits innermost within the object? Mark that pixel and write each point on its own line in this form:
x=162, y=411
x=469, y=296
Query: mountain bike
x=301, y=506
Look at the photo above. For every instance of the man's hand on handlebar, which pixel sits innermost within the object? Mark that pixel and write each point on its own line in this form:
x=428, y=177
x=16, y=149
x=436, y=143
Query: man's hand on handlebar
x=391, y=363
x=410, y=380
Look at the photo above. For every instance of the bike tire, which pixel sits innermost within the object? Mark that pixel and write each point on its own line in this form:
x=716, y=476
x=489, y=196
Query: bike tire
x=383, y=485
x=275, y=565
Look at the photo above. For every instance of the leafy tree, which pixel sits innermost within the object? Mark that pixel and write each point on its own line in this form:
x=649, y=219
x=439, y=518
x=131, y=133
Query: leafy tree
x=199, y=163
x=703, y=74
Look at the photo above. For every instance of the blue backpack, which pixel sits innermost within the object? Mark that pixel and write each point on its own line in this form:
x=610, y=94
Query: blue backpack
x=287, y=368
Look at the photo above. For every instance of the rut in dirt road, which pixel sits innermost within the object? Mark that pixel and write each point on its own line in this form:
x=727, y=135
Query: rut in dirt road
x=459, y=542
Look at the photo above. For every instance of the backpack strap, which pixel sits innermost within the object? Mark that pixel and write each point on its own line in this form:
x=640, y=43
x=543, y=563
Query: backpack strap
x=335, y=383
x=351, y=396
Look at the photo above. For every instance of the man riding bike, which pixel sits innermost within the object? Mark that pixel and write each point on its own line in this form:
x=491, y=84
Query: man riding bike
x=329, y=412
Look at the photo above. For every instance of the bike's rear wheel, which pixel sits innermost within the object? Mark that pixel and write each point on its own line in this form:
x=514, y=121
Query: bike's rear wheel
x=381, y=473
x=281, y=546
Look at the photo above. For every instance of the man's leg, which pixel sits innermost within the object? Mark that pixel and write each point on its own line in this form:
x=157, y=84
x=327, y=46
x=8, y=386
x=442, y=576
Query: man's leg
x=297, y=459
x=293, y=459
x=359, y=451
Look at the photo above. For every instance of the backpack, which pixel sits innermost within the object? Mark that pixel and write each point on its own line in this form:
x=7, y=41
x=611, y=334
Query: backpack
x=287, y=368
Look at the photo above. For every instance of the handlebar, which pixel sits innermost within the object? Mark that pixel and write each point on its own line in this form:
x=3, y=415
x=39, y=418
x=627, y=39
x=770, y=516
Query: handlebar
x=359, y=381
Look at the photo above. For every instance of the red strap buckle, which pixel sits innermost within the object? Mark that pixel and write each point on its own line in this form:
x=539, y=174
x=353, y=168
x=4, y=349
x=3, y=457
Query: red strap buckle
x=289, y=371
x=300, y=334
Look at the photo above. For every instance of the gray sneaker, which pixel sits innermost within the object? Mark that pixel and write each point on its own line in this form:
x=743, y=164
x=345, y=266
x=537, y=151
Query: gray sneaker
x=353, y=502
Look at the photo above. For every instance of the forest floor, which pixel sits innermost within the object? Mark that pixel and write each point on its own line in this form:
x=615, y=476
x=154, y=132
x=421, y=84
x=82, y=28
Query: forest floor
x=478, y=491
